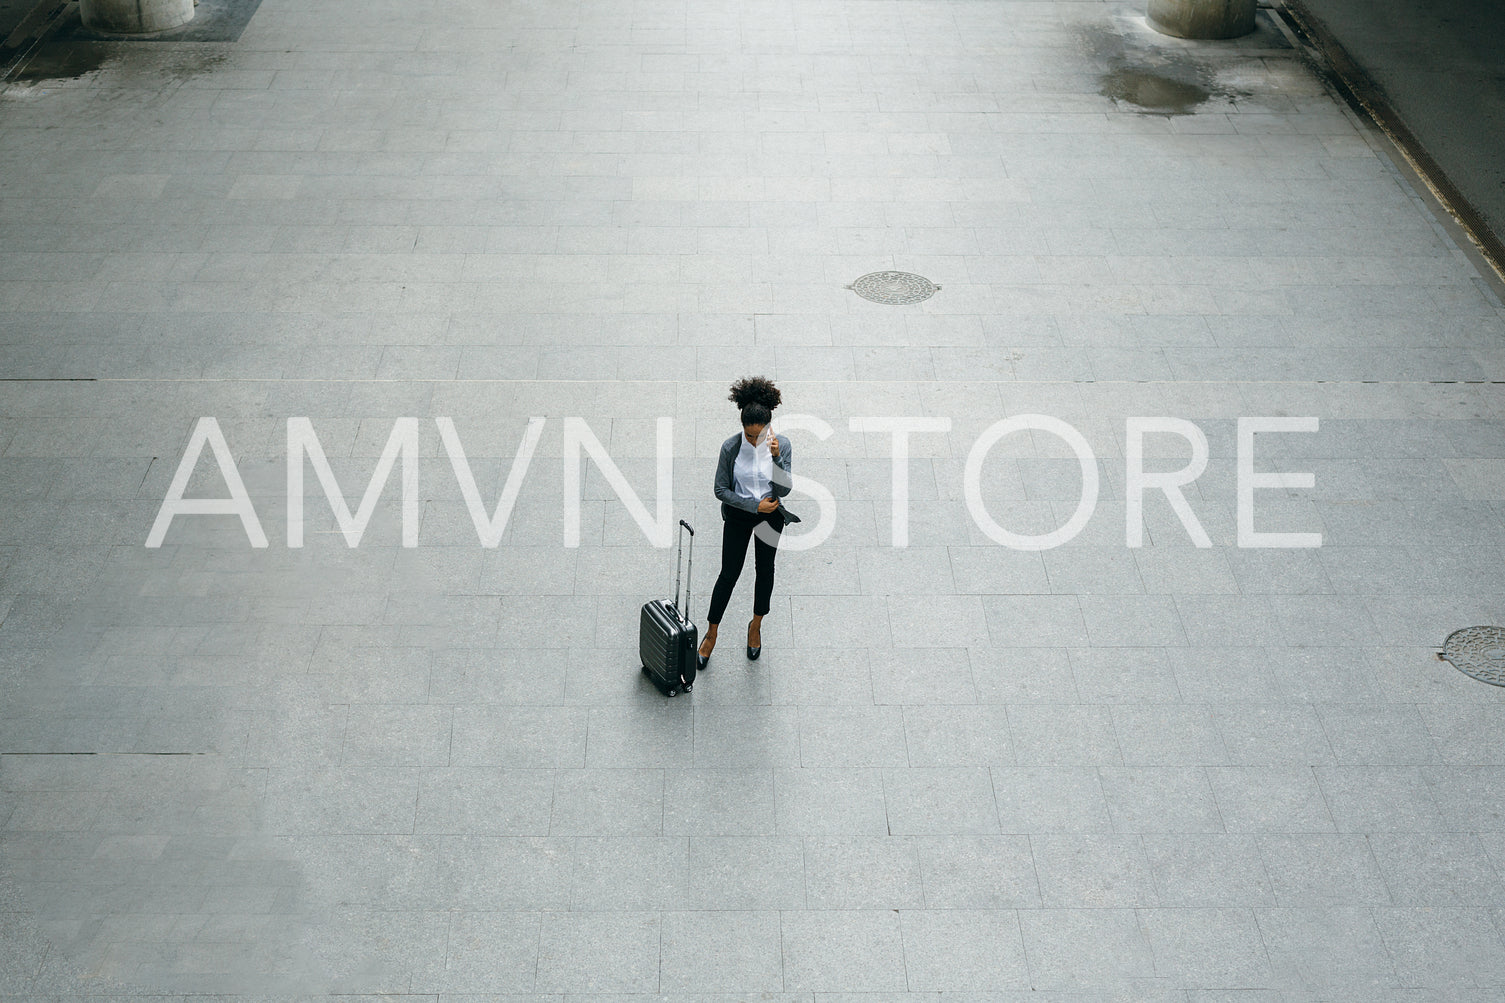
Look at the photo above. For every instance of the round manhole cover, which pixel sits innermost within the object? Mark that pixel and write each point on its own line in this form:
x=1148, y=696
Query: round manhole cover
x=895, y=288
x=1478, y=652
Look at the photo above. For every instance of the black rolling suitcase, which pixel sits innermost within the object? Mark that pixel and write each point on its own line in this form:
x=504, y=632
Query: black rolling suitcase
x=668, y=640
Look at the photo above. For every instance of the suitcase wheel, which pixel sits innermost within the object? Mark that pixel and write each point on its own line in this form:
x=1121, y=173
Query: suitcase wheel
x=671, y=693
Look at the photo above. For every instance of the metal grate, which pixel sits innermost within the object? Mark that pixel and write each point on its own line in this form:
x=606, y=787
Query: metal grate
x=894, y=288
x=1478, y=652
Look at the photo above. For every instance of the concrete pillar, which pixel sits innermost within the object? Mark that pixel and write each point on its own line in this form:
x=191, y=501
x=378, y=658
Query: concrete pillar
x=135, y=17
x=1202, y=18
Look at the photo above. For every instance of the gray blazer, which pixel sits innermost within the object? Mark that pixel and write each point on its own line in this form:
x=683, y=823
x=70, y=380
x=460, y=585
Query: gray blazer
x=727, y=493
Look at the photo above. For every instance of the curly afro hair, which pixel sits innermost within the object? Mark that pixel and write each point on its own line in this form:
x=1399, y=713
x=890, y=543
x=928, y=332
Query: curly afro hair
x=756, y=397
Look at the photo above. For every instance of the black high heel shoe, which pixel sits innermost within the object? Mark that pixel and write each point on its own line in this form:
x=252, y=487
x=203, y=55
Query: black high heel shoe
x=753, y=653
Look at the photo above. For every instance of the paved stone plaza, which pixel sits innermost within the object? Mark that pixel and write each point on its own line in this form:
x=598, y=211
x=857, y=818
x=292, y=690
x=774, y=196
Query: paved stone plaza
x=960, y=772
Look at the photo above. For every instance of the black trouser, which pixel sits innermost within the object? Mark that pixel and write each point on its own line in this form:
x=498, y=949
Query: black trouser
x=736, y=530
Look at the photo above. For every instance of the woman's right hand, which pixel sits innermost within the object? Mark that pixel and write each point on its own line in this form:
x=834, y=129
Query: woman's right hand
x=768, y=505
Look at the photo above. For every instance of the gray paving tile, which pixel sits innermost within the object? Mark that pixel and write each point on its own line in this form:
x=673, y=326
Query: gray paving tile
x=1154, y=734
x=1022, y=675
x=1033, y=621
x=934, y=621
x=341, y=952
x=1323, y=869
x=1441, y=869
x=1323, y=675
x=1279, y=572
x=490, y=952
x=978, y=872
x=840, y=621
x=816, y=802
x=861, y=952
x=25, y=950
x=397, y=735
x=738, y=736
x=1093, y=571
x=388, y=873
x=1071, y=950
x=599, y=952
x=1208, y=870
x=713, y=952
x=1319, y=947
x=630, y=872
x=955, y=800
x=1050, y=799
x=608, y=803
x=483, y=801
x=1119, y=675
x=1416, y=675
x=1322, y=620
x=1092, y=871
x=1379, y=799
x=911, y=571
x=957, y=736
x=1279, y=734
x=1270, y=799
x=922, y=676
x=1223, y=621
x=1063, y=735
x=487, y=872
x=1223, y=675
x=862, y=872
x=518, y=737
x=1460, y=733
x=376, y=675
x=1209, y=948
x=345, y=800
x=719, y=802
x=1377, y=736
x=963, y=950
x=1443, y=948
x=1183, y=570
x=987, y=571
x=1132, y=621
x=314, y=734
x=838, y=675
x=852, y=736
x=658, y=734
x=747, y=872
x=1462, y=794
x=1160, y=799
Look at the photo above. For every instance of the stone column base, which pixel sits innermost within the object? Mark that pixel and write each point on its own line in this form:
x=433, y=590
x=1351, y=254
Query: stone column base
x=1202, y=18
x=135, y=17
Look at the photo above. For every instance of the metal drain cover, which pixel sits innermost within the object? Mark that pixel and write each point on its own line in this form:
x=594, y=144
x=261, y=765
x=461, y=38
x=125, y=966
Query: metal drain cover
x=1478, y=652
x=895, y=288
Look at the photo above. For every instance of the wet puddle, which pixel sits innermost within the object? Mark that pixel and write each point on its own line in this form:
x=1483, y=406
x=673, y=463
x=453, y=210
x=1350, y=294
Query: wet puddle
x=1152, y=91
x=64, y=49
x=66, y=59
x=1138, y=70
x=63, y=61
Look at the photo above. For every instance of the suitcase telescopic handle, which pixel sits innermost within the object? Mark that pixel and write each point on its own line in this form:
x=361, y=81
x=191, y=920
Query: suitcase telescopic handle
x=677, y=563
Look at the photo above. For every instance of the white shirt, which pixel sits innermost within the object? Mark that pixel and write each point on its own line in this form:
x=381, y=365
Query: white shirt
x=752, y=471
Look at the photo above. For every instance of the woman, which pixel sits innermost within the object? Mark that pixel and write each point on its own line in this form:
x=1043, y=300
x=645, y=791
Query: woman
x=752, y=474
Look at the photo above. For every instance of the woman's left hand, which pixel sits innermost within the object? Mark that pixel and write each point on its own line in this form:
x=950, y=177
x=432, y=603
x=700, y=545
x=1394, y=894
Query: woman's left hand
x=773, y=444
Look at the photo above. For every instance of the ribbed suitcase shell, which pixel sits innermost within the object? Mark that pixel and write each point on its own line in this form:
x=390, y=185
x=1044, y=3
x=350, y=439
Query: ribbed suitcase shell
x=667, y=643
x=666, y=646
